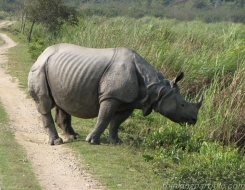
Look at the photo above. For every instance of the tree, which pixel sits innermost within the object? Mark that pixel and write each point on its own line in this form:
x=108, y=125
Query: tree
x=51, y=13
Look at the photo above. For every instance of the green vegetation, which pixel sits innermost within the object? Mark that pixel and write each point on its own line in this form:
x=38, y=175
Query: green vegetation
x=117, y=166
x=15, y=170
x=213, y=59
x=21, y=61
x=205, y=10
x=4, y=117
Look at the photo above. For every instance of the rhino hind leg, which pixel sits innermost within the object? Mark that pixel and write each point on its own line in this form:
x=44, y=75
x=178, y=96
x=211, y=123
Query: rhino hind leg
x=63, y=120
x=107, y=110
x=48, y=123
x=115, y=123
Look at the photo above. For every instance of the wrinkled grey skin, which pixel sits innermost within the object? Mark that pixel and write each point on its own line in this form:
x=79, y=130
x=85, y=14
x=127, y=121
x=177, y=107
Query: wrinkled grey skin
x=104, y=83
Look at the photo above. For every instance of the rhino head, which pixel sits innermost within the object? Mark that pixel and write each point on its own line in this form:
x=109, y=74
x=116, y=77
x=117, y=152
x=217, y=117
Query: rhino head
x=169, y=103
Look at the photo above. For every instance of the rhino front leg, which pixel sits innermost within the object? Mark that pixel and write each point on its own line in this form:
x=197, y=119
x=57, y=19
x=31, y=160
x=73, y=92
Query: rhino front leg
x=63, y=120
x=115, y=123
x=106, y=112
x=48, y=124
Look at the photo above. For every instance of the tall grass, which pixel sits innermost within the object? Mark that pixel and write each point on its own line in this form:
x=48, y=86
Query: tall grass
x=213, y=59
x=212, y=56
x=197, y=48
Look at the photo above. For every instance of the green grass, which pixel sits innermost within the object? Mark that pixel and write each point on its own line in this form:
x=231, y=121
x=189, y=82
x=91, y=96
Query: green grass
x=213, y=59
x=15, y=169
x=4, y=117
x=116, y=166
x=1, y=41
x=20, y=62
x=199, y=49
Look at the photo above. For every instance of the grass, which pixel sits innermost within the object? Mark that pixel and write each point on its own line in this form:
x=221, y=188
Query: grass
x=117, y=167
x=1, y=41
x=199, y=49
x=20, y=61
x=4, y=117
x=212, y=56
x=15, y=169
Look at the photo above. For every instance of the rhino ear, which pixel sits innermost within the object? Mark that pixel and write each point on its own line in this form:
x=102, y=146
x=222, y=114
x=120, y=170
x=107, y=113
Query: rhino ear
x=177, y=79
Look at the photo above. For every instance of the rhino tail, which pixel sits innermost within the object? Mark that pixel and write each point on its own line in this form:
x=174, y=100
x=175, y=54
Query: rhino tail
x=38, y=86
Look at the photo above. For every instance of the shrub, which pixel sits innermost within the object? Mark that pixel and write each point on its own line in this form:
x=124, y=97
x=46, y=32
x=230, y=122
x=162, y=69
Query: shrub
x=215, y=165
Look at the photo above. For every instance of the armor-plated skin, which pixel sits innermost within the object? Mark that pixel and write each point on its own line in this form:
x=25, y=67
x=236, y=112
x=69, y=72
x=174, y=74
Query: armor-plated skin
x=108, y=83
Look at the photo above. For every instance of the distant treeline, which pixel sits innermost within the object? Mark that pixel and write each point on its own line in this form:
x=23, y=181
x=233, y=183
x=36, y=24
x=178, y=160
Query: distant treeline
x=199, y=3
x=206, y=10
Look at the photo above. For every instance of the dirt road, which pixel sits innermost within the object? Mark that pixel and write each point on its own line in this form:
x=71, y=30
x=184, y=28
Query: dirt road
x=55, y=166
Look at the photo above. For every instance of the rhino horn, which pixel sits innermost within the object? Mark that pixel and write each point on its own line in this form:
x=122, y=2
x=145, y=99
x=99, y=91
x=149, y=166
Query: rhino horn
x=199, y=103
x=177, y=79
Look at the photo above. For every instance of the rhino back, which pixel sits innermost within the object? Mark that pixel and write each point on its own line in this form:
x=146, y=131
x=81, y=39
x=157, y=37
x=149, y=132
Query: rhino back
x=74, y=75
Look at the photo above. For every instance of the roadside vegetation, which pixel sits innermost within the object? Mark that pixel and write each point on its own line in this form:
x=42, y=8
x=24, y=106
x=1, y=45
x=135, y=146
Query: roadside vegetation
x=156, y=151
x=15, y=170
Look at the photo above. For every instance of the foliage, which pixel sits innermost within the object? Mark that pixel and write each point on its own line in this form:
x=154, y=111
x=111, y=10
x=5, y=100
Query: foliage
x=214, y=165
x=213, y=59
x=3, y=15
x=211, y=55
x=21, y=60
x=206, y=10
x=51, y=13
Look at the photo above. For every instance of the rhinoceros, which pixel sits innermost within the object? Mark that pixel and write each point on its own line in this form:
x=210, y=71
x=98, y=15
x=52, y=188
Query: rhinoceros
x=105, y=83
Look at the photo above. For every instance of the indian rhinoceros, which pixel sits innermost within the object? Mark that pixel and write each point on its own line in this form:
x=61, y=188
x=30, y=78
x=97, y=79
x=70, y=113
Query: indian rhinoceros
x=104, y=83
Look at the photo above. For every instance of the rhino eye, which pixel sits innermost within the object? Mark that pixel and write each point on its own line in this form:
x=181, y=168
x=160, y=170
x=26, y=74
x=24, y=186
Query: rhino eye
x=182, y=105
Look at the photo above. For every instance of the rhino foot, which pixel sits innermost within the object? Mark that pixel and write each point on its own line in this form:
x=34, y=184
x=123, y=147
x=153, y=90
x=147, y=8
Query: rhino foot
x=111, y=140
x=92, y=139
x=57, y=141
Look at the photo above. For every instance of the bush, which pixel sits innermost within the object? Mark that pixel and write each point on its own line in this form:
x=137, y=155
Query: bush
x=215, y=165
x=171, y=138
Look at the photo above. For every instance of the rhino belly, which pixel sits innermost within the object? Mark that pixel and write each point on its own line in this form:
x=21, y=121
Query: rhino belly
x=78, y=100
x=74, y=84
x=79, y=106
